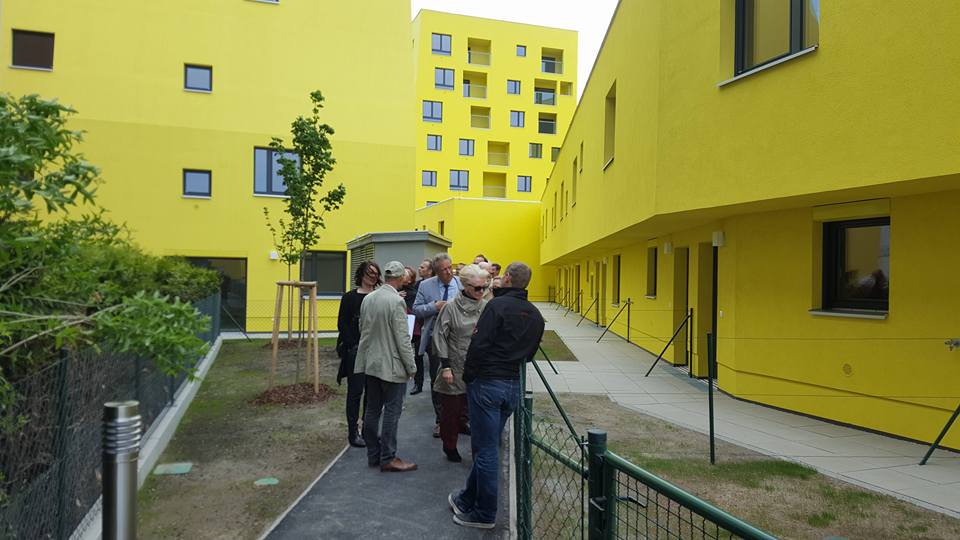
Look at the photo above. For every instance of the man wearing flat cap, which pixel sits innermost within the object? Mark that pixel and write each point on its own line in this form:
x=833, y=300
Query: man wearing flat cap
x=386, y=357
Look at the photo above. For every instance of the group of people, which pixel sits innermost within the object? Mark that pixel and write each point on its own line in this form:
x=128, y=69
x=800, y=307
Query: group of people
x=473, y=332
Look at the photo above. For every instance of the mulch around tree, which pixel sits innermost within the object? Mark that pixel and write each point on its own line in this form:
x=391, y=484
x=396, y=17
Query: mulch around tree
x=294, y=394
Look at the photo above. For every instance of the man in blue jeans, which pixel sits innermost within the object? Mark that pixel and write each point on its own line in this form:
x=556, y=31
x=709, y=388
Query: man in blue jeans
x=506, y=337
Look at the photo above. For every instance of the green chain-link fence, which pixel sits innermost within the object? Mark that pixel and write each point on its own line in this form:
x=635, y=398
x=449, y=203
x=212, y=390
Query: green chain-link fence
x=572, y=487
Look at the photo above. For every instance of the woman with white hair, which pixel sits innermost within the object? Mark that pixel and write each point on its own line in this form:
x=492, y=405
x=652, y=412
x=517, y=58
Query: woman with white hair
x=451, y=338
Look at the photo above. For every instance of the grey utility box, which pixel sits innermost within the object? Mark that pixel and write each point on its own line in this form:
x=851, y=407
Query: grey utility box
x=408, y=247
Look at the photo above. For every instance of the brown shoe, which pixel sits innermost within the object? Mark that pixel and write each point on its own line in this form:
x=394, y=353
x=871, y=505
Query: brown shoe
x=398, y=465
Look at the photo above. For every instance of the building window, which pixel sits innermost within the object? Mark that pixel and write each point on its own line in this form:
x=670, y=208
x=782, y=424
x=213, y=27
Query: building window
x=554, y=153
x=32, y=49
x=440, y=44
x=466, y=147
x=524, y=184
x=429, y=203
x=521, y=50
x=536, y=150
x=435, y=142
x=327, y=268
x=616, y=279
x=443, y=78
x=580, y=162
x=651, y=272
x=610, y=126
x=547, y=124
x=544, y=96
x=513, y=87
x=196, y=183
x=516, y=118
x=198, y=78
x=573, y=184
x=549, y=64
x=856, y=264
x=767, y=30
x=428, y=178
x=267, y=179
x=432, y=111
x=459, y=180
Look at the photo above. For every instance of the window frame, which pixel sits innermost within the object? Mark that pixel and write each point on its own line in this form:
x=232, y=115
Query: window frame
x=433, y=105
x=541, y=121
x=651, y=272
x=522, y=48
x=14, y=32
x=554, y=153
x=517, y=83
x=440, y=51
x=343, y=269
x=535, y=155
x=439, y=142
x=443, y=85
x=428, y=173
x=193, y=194
x=471, y=147
x=460, y=185
x=270, y=192
x=833, y=251
x=521, y=178
x=186, y=70
x=797, y=33
x=521, y=116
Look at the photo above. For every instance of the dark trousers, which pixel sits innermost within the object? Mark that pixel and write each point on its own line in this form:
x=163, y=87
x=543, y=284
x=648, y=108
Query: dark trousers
x=418, y=378
x=386, y=399
x=452, y=409
x=491, y=401
x=354, y=397
x=434, y=396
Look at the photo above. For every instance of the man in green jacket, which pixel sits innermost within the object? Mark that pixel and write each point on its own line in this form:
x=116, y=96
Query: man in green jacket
x=386, y=357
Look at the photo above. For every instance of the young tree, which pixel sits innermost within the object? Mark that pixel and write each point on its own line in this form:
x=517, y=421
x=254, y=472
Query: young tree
x=304, y=168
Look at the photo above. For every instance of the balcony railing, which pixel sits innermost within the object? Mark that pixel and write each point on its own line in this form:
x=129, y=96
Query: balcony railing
x=501, y=159
x=549, y=65
x=478, y=58
x=480, y=121
x=545, y=98
x=499, y=192
x=548, y=126
x=475, y=91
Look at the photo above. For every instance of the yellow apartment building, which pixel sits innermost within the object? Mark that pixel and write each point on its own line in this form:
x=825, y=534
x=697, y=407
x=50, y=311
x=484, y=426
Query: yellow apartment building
x=495, y=98
x=789, y=171
x=180, y=98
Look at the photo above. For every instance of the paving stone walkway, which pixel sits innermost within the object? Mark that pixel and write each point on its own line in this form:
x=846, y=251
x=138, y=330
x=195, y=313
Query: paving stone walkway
x=616, y=368
x=353, y=500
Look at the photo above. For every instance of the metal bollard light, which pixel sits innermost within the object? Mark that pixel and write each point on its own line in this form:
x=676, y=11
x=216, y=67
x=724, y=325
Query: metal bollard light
x=121, y=450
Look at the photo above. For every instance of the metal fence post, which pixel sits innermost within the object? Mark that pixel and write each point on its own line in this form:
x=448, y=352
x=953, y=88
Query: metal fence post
x=597, y=505
x=121, y=450
x=629, y=303
x=711, y=360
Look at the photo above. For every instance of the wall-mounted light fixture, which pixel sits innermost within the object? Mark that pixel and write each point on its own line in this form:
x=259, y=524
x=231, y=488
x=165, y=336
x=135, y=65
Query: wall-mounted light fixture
x=274, y=256
x=718, y=239
x=667, y=248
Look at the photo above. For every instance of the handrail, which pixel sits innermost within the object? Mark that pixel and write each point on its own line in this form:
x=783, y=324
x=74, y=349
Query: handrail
x=607, y=329
x=584, y=316
x=695, y=504
x=559, y=456
x=688, y=317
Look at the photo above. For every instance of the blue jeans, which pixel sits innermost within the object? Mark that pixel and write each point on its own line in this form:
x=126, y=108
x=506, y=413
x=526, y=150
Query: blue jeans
x=491, y=402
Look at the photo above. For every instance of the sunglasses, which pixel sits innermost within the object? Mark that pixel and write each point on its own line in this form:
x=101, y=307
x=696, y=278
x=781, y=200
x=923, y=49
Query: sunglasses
x=478, y=288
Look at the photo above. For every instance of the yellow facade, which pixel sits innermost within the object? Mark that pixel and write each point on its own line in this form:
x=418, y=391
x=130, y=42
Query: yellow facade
x=121, y=65
x=482, y=55
x=503, y=231
x=666, y=152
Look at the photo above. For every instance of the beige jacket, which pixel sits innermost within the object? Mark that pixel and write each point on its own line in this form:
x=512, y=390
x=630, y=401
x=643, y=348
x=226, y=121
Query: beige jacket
x=385, y=351
x=451, y=338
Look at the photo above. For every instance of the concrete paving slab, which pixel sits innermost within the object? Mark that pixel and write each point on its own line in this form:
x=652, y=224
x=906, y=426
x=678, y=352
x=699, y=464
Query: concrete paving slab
x=889, y=479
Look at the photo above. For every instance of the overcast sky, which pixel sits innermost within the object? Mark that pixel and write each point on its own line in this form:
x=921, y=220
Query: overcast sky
x=589, y=18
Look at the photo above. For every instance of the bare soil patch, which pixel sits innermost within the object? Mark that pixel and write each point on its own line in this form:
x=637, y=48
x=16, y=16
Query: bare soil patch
x=232, y=443
x=294, y=394
x=784, y=498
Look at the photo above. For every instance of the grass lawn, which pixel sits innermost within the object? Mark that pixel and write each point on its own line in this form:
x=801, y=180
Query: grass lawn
x=555, y=349
x=232, y=443
x=781, y=497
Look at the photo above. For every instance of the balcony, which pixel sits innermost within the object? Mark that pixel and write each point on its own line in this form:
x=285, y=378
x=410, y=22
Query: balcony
x=474, y=85
x=478, y=52
x=495, y=185
x=551, y=61
x=543, y=96
x=547, y=124
x=498, y=154
x=480, y=117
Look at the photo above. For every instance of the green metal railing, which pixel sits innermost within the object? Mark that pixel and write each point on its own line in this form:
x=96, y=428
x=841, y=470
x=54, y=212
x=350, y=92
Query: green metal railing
x=569, y=486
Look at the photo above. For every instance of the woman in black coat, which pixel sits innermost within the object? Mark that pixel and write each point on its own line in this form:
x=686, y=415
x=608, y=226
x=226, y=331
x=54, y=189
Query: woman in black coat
x=366, y=278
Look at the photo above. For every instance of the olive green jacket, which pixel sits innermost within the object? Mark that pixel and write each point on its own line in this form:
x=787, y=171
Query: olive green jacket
x=451, y=338
x=385, y=351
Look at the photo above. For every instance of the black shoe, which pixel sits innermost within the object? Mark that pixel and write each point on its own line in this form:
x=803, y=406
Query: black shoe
x=453, y=455
x=417, y=388
x=356, y=441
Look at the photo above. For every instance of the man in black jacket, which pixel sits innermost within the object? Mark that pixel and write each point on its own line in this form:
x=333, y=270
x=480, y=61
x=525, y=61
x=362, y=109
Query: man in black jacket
x=506, y=337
